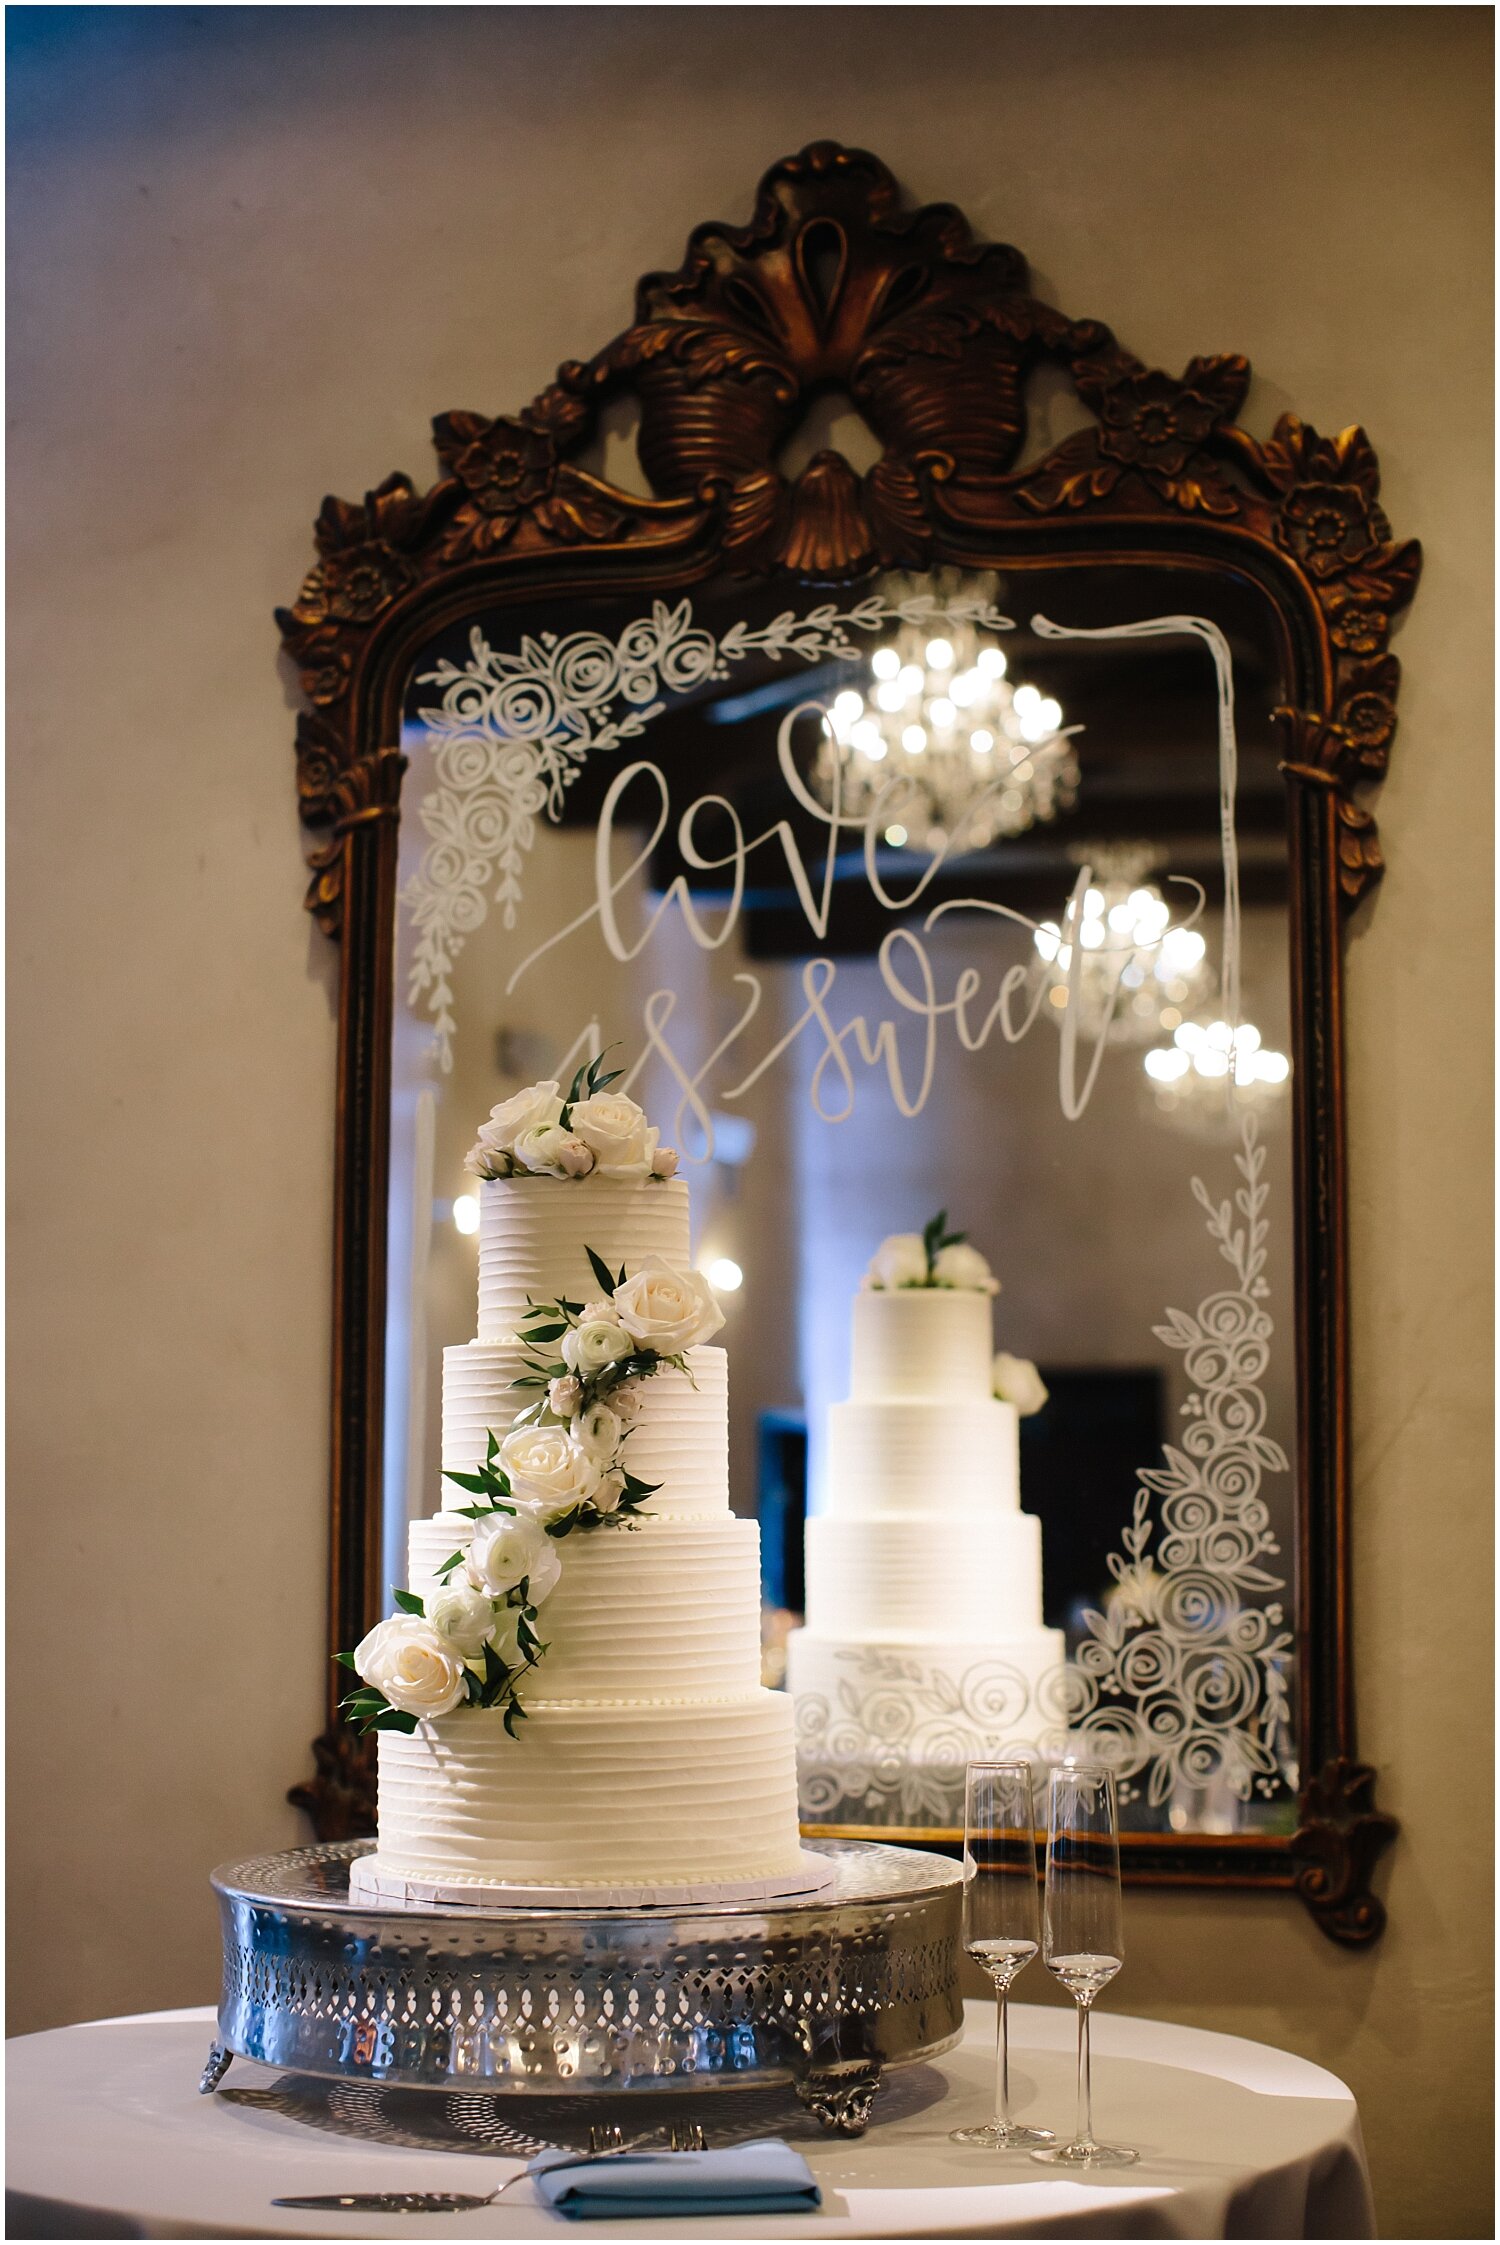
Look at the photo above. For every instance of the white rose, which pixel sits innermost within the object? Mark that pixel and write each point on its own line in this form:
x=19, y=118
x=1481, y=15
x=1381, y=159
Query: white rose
x=667, y=1310
x=524, y=1110
x=548, y=1151
x=1017, y=1380
x=505, y=1635
x=615, y=1128
x=664, y=1162
x=588, y=1347
x=545, y=1466
x=609, y=1492
x=461, y=1614
x=900, y=1260
x=625, y=1401
x=510, y=1548
x=564, y=1396
x=418, y=1671
x=964, y=1266
x=598, y=1431
x=486, y=1162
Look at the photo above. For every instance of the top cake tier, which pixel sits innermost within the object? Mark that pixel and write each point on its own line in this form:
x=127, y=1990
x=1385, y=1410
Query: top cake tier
x=922, y=1343
x=535, y=1233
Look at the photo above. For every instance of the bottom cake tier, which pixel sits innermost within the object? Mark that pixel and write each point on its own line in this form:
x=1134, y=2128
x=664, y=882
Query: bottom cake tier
x=884, y=1730
x=660, y=1795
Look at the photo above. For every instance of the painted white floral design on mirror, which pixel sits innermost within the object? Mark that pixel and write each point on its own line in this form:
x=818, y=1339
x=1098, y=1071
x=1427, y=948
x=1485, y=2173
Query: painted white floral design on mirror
x=509, y=734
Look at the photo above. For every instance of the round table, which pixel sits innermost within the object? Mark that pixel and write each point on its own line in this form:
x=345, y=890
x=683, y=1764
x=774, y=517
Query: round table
x=109, y=2137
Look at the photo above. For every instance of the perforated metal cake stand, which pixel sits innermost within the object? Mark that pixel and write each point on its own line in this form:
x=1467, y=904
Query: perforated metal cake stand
x=826, y=1992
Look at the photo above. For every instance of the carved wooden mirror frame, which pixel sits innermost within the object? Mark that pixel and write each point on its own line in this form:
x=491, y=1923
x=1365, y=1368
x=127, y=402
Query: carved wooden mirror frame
x=933, y=337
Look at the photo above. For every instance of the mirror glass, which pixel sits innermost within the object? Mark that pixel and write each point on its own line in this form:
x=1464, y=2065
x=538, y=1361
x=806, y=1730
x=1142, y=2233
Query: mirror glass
x=914, y=895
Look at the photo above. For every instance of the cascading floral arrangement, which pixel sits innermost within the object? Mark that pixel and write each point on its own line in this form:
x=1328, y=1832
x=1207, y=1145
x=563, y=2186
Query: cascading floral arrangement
x=560, y=1471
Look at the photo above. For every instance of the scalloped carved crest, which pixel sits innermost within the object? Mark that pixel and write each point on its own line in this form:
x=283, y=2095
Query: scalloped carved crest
x=932, y=335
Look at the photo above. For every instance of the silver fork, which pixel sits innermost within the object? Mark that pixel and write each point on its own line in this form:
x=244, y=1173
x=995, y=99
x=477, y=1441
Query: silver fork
x=604, y=2143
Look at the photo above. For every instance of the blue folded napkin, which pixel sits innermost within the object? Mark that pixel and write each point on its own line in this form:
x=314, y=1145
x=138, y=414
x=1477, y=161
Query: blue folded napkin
x=766, y=2178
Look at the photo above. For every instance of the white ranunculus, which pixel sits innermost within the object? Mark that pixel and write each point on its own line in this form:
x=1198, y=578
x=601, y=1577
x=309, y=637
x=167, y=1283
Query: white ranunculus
x=546, y=1467
x=963, y=1266
x=1017, y=1381
x=616, y=1129
x=589, y=1346
x=664, y=1162
x=549, y=1151
x=524, y=1110
x=598, y=1430
x=505, y=1549
x=666, y=1309
x=461, y=1614
x=609, y=1492
x=416, y=1668
x=599, y=1313
x=564, y=1396
x=900, y=1260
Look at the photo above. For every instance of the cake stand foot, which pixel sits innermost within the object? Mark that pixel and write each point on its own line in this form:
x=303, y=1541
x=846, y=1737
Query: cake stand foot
x=216, y=2066
x=840, y=2097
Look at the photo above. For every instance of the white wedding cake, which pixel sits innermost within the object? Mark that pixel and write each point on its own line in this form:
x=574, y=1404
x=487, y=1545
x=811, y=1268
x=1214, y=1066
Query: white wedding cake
x=924, y=1644
x=570, y=1702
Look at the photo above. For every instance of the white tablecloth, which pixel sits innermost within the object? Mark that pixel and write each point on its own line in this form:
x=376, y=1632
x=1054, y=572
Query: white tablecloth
x=1236, y=2140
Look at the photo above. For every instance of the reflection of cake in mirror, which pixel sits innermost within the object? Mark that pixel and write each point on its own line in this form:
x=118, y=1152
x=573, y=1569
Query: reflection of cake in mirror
x=569, y=1703
x=924, y=1646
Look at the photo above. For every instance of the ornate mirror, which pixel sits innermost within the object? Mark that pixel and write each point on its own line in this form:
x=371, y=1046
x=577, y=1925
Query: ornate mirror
x=948, y=819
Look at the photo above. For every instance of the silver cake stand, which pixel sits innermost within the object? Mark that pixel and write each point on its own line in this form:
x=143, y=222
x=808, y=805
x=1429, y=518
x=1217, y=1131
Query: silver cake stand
x=826, y=1991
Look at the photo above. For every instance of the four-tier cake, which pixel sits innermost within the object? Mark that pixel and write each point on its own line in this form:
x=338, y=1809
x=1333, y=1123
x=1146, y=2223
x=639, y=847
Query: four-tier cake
x=925, y=1644
x=570, y=1702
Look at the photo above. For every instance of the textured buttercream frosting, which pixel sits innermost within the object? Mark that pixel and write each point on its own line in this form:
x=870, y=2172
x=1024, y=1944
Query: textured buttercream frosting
x=962, y=1454
x=535, y=1233
x=929, y=1343
x=924, y=1580
x=601, y=1794
x=666, y=1610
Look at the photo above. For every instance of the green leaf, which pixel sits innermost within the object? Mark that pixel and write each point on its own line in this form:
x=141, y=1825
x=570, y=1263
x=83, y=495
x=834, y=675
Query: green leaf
x=409, y=1602
x=448, y=1566
x=600, y=1270
x=514, y=1714
x=491, y=1446
x=564, y=1525
x=346, y=1660
x=394, y=1720
x=575, y=1088
x=540, y=1333
x=480, y=1484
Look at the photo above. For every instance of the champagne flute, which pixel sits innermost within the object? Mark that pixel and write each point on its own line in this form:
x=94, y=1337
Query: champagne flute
x=1082, y=1941
x=1001, y=1931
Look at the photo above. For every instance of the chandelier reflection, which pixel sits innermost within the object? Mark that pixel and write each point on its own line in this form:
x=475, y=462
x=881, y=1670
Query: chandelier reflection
x=941, y=739
x=1211, y=1075
x=1139, y=973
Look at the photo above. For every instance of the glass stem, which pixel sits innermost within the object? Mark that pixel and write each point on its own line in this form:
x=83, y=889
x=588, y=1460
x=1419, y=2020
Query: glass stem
x=1085, y=2083
x=1002, y=2055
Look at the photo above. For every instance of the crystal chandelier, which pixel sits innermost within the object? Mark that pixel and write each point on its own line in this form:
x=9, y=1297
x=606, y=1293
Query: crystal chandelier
x=1139, y=973
x=939, y=737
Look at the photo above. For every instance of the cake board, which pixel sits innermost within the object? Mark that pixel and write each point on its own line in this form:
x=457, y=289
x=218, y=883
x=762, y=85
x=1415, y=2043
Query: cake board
x=825, y=1991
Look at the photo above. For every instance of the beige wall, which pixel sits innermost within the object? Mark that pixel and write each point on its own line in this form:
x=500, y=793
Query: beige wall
x=253, y=251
